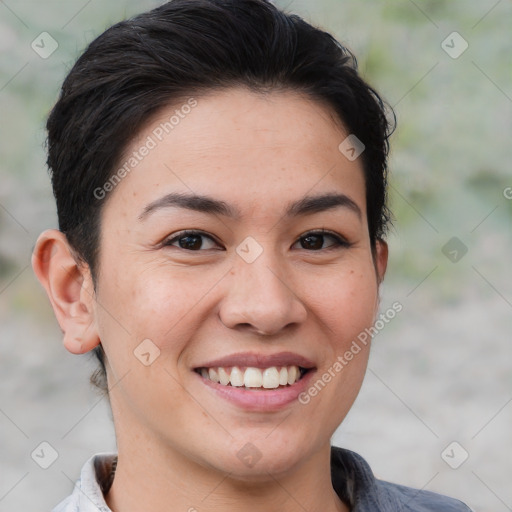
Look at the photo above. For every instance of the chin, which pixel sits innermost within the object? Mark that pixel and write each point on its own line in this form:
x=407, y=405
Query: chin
x=254, y=461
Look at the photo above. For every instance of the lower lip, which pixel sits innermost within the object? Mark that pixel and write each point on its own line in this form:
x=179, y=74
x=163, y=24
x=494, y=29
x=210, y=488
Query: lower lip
x=260, y=399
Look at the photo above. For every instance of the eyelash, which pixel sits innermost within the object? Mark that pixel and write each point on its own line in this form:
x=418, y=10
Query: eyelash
x=340, y=241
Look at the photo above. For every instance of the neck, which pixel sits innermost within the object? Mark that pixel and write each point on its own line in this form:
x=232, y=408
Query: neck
x=156, y=479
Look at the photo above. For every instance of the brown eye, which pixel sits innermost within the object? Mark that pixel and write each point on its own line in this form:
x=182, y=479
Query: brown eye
x=190, y=241
x=315, y=241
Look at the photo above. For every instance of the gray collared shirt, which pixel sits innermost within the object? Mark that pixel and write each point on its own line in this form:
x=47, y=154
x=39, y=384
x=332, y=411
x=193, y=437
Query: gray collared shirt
x=352, y=480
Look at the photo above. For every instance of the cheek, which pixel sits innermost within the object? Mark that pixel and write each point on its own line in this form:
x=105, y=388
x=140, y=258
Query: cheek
x=345, y=306
x=145, y=323
x=159, y=303
x=345, y=300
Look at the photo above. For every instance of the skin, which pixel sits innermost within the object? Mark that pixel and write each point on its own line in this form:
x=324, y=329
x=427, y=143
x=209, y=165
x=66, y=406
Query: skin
x=177, y=441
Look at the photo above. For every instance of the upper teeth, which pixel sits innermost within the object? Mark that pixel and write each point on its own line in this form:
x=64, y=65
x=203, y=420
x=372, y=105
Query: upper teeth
x=250, y=377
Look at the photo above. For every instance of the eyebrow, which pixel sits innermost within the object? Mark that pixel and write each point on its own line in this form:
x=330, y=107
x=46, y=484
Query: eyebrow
x=308, y=205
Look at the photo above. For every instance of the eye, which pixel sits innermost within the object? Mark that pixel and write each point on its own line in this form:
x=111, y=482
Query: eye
x=190, y=240
x=314, y=240
x=193, y=240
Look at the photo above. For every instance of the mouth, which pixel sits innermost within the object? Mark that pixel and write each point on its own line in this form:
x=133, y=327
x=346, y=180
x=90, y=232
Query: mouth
x=257, y=382
x=254, y=378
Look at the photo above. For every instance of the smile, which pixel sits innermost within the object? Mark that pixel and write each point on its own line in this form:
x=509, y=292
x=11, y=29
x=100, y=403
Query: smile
x=253, y=381
x=255, y=378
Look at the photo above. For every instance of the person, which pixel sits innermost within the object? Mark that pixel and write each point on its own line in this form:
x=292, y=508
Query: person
x=220, y=173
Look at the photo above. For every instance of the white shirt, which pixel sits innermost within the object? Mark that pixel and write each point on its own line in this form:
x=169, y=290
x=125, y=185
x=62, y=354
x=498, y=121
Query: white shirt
x=87, y=495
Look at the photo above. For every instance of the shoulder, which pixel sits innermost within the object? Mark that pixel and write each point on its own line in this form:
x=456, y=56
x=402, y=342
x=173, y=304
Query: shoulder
x=355, y=483
x=420, y=500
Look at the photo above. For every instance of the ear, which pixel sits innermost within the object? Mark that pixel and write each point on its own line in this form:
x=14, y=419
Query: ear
x=380, y=262
x=69, y=286
x=381, y=259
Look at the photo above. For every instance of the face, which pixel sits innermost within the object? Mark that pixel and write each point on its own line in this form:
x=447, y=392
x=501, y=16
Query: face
x=273, y=269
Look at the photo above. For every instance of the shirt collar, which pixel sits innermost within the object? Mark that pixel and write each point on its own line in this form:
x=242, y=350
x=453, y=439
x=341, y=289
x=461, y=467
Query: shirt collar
x=88, y=495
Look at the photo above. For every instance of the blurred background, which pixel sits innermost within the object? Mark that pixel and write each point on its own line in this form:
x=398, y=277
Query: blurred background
x=435, y=410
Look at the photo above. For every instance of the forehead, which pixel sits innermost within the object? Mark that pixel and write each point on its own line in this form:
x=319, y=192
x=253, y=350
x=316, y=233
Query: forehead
x=250, y=149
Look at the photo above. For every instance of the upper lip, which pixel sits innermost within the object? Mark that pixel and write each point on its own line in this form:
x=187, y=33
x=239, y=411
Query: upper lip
x=256, y=360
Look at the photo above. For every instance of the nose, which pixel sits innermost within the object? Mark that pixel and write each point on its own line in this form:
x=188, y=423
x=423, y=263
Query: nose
x=259, y=299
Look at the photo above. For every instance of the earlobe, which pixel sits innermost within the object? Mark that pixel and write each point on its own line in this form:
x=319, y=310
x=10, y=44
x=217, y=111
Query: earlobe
x=70, y=290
